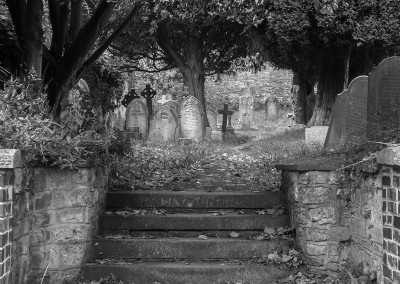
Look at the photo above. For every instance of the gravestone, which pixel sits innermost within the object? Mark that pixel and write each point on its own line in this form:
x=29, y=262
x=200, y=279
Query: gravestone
x=271, y=108
x=246, y=111
x=191, y=120
x=349, y=116
x=148, y=94
x=316, y=135
x=118, y=117
x=384, y=97
x=212, y=118
x=225, y=114
x=164, y=125
x=137, y=116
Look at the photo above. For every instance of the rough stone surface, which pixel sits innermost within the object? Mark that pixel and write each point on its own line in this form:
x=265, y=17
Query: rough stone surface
x=55, y=226
x=338, y=220
x=310, y=164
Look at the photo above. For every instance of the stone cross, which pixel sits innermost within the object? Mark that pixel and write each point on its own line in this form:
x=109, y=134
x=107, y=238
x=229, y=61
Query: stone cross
x=148, y=93
x=225, y=112
x=163, y=99
x=129, y=97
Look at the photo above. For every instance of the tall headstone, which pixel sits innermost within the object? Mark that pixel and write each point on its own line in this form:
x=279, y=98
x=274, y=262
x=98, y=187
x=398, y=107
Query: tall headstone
x=246, y=110
x=164, y=125
x=212, y=118
x=384, y=97
x=191, y=120
x=137, y=116
x=271, y=108
x=349, y=117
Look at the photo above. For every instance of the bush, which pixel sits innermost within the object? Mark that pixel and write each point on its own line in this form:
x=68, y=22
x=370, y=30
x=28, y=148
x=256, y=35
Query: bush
x=24, y=124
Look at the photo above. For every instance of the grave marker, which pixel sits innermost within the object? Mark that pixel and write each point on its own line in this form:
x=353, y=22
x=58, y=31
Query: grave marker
x=129, y=97
x=271, y=108
x=137, y=116
x=349, y=116
x=191, y=120
x=246, y=111
x=225, y=112
x=148, y=93
x=164, y=121
x=384, y=97
x=212, y=118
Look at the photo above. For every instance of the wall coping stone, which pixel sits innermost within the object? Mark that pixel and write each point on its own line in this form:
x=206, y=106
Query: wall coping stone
x=85, y=164
x=310, y=164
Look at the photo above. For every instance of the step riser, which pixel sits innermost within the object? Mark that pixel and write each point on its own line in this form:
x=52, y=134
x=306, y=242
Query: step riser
x=185, y=248
x=192, y=222
x=185, y=234
x=193, y=200
x=186, y=274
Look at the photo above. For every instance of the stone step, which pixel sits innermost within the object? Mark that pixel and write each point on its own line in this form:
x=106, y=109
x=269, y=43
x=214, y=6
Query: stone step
x=192, y=222
x=186, y=273
x=180, y=234
x=194, y=200
x=185, y=248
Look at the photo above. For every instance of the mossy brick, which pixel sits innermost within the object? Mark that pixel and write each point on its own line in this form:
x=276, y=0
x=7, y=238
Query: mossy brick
x=315, y=195
x=323, y=215
x=70, y=233
x=316, y=249
x=387, y=272
x=42, y=201
x=392, y=261
x=4, y=195
x=2, y=269
x=6, y=178
x=39, y=237
x=384, y=209
x=41, y=219
x=316, y=235
x=387, y=233
x=72, y=215
x=339, y=233
x=80, y=198
x=384, y=193
x=392, y=247
x=391, y=207
x=73, y=255
x=386, y=181
x=58, y=199
x=396, y=276
x=396, y=181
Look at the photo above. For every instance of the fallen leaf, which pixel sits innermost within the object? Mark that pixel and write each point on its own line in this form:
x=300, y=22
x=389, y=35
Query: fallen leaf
x=269, y=231
x=203, y=237
x=234, y=235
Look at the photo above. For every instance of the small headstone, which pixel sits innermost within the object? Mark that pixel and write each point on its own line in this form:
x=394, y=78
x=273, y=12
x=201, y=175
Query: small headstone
x=212, y=118
x=137, y=117
x=191, y=120
x=164, y=121
x=384, y=97
x=316, y=135
x=216, y=135
x=246, y=111
x=271, y=108
x=349, y=117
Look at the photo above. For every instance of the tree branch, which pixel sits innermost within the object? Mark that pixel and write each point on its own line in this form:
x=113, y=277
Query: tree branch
x=108, y=41
x=75, y=20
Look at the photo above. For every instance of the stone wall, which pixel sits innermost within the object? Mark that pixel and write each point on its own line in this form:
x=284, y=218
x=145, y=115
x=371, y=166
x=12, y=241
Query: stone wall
x=50, y=228
x=337, y=216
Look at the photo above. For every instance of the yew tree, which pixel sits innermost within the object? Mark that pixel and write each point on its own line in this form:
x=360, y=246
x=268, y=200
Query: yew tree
x=331, y=40
x=200, y=38
x=74, y=27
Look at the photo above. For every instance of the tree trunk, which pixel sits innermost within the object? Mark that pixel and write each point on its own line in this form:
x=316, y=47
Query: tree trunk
x=194, y=74
x=299, y=96
x=332, y=81
x=34, y=36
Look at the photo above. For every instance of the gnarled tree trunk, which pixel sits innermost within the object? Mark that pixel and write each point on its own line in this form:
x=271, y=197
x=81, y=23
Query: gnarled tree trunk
x=332, y=80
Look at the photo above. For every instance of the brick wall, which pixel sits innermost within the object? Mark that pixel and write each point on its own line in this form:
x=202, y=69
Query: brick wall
x=391, y=224
x=338, y=217
x=51, y=226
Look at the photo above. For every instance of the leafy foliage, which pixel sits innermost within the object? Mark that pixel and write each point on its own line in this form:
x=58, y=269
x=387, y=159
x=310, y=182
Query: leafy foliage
x=24, y=124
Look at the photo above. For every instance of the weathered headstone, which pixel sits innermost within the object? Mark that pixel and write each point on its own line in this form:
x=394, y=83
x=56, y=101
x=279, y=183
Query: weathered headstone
x=349, y=116
x=129, y=97
x=137, y=116
x=164, y=121
x=316, y=135
x=118, y=118
x=216, y=135
x=384, y=97
x=271, y=108
x=246, y=110
x=191, y=120
x=212, y=118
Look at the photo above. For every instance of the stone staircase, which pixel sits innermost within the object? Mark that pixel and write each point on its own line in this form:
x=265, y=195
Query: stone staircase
x=161, y=243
